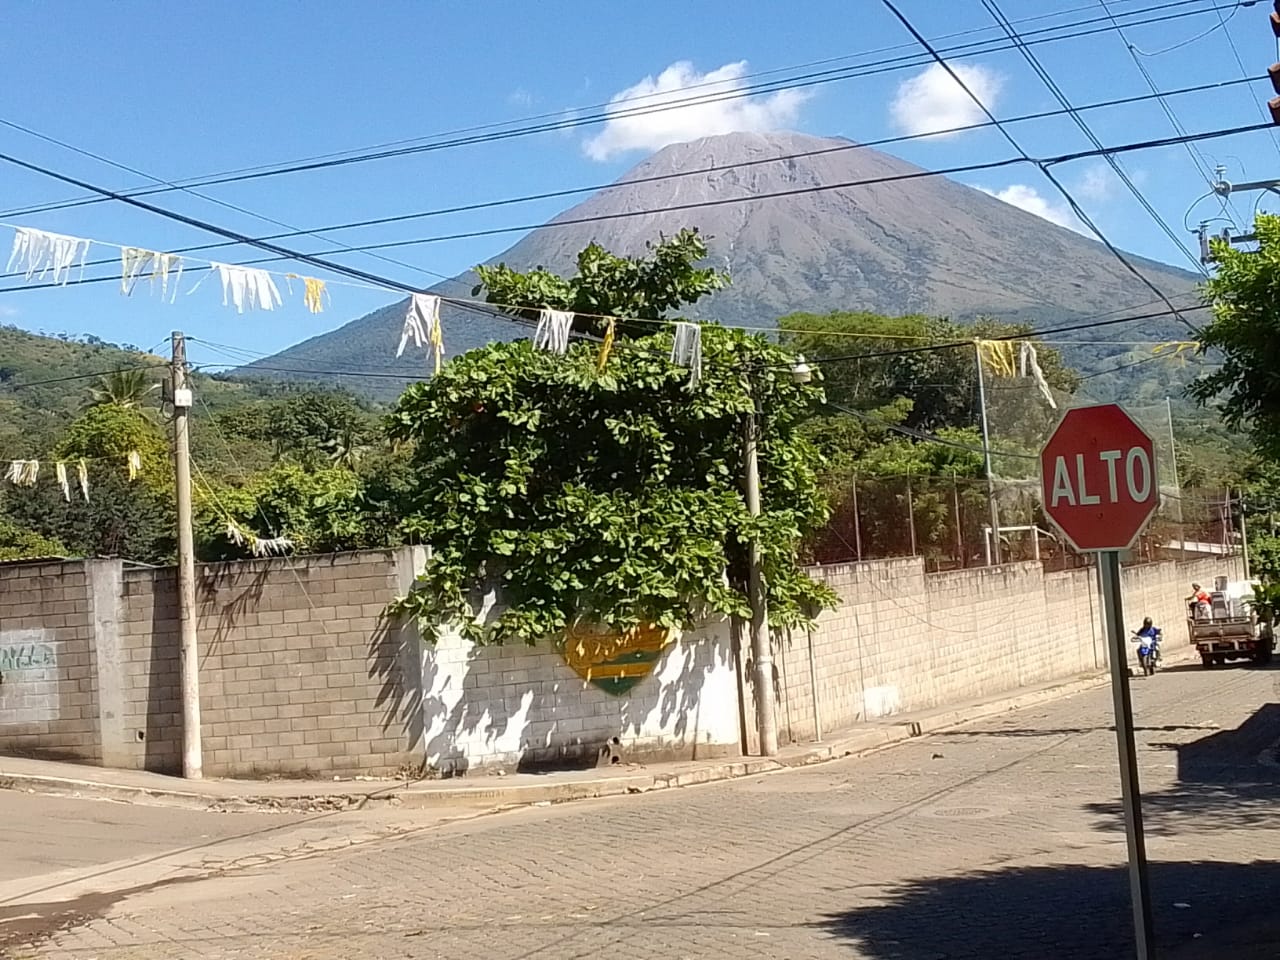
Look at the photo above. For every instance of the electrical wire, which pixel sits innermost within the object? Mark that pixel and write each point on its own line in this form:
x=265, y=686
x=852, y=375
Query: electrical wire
x=283, y=254
x=560, y=122
x=659, y=178
x=84, y=376
x=1028, y=335
x=1044, y=168
x=1235, y=52
x=1198, y=159
x=296, y=231
x=993, y=8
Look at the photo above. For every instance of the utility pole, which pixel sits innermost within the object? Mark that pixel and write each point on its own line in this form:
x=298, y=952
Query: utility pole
x=192, y=759
x=1244, y=538
x=761, y=652
x=986, y=456
x=1173, y=459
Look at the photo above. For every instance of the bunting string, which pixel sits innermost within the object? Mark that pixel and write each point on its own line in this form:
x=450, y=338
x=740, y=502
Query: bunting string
x=26, y=473
x=39, y=254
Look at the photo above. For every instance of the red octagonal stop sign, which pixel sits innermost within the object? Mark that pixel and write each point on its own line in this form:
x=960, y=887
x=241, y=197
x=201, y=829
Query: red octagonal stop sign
x=1098, y=478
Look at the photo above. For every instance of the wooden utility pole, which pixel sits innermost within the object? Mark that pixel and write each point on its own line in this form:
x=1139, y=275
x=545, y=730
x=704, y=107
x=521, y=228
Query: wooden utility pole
x=761, y=651
x=192, y=757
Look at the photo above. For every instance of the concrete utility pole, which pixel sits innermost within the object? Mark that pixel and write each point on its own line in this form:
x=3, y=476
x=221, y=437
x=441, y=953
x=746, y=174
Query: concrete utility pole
x=1244, y=539
x=1173, y=466
x=986, y=456
x=192, y=757
x=761, y=651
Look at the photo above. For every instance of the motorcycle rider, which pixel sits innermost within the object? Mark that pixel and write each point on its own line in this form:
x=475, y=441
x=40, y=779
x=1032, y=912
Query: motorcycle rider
x=1150, y=635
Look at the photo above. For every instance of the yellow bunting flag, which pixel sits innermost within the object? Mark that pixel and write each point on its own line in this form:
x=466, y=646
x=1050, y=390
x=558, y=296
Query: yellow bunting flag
x=605, y=347
x=999, y=356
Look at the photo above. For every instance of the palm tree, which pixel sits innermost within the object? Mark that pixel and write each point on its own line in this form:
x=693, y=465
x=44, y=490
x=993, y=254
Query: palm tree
x=344, y=448
x=123, y=388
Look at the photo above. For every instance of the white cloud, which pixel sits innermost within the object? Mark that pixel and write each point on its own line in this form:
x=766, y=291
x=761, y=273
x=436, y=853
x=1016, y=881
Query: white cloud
x=931, y=101
x=520, y=97
x=7, y=311
x=654, y=129
x=1030, y=199
x=1098, y=183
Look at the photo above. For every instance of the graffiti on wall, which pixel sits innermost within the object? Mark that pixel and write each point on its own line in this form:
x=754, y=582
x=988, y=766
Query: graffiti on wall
x=28, y=677
x=614, y=661
x=26, y=656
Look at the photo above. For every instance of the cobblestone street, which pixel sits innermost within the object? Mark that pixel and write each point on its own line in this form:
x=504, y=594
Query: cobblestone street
x=1000, y=839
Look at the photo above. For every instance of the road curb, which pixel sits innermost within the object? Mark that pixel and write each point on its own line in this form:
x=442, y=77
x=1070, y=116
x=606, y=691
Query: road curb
x=863, y=741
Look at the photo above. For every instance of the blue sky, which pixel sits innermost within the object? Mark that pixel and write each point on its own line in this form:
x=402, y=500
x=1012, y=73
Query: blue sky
x=185, y=90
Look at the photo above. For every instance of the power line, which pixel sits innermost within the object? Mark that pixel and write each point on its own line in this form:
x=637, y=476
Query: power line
x=84, y=376
x=560, y=123
x=998, y=15
x=283, y=252
x=1027, y=335
x=1044, y=168
x=693, y=205
x=1197, y=158
x=1235, y=52
x=658, y=178
x=296, y=231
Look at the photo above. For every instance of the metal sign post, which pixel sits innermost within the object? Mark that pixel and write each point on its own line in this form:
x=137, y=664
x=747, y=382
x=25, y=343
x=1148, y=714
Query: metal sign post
x=1131, y=798
x=1098, y=481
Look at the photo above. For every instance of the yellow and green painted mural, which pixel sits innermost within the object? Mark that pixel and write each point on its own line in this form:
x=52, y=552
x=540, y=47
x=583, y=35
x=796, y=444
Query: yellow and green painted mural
x=614, y=661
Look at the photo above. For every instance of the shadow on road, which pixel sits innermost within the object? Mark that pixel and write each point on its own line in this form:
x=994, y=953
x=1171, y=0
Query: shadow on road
x=1071, y=910
x=1198, y=667
x=1229, y=779
x=999, y=732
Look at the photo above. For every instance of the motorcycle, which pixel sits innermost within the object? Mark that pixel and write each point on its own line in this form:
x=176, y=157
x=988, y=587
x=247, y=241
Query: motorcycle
x=1148, y=651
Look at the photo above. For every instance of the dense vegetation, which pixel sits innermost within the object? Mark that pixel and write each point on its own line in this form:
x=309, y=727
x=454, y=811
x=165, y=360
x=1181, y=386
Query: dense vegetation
x=599, y=484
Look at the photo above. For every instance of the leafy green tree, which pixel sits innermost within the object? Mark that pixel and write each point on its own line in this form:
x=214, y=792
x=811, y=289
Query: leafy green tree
x=648, y=287
x=122, y=517
x=313, y=427
x=123, y=388
x=17, y=543
x=941, y=386
x=319, y=510
x=1244, y=294
x=111, y=432
x=605, y=497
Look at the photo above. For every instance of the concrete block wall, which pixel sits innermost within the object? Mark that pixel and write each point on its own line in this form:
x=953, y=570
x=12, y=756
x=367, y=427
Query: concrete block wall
x=48, y=687
x=300, y=673
x=902, y=640
x=514, y=706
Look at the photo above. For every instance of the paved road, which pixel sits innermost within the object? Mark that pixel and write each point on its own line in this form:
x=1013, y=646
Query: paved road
x=44, y=834
x=996, y=840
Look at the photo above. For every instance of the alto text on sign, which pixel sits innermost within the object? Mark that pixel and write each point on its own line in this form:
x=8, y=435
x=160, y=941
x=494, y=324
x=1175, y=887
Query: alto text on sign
x=1098, y=476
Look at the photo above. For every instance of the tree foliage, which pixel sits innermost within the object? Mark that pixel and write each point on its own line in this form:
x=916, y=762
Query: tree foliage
x=940, y=386
x=122, y=517
x=610, y=498
x=18, y=543
x=319, y=509
x=128, y=388
x=647, y=287
x=1245, y=331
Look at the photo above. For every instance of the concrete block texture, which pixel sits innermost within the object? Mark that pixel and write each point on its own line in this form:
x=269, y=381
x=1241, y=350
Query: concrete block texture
x=301, y=673
x=903, y=640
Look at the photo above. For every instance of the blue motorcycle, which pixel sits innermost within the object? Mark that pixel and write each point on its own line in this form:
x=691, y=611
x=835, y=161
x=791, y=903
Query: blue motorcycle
x=1148, y=648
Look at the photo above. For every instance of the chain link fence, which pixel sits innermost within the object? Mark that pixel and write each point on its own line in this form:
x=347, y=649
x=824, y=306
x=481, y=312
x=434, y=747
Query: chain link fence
x=947, y=521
